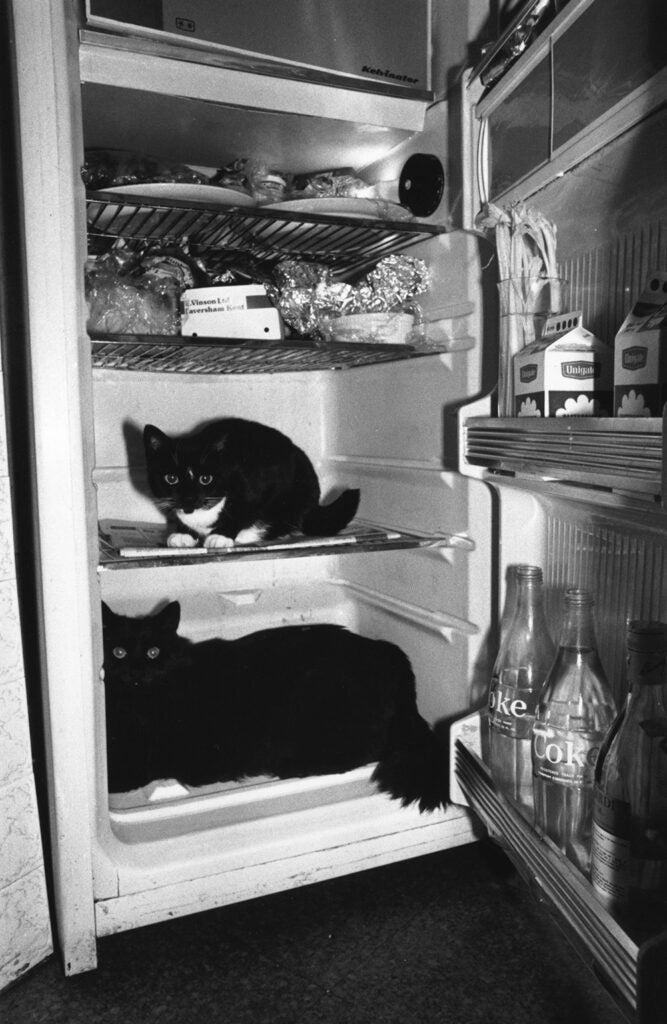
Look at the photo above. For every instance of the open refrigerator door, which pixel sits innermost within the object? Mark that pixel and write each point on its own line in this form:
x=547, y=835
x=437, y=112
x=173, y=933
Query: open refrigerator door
x=580, y=492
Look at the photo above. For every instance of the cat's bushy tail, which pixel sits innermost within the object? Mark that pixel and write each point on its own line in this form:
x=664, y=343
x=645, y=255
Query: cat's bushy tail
x=413, y=769
x=327, y=520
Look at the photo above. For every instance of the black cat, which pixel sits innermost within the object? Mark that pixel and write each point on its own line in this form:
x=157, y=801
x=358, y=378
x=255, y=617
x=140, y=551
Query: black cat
x=290, y=701
x=239, y=481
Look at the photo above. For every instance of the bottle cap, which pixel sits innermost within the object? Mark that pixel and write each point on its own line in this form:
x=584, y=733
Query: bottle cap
x=529, y=572
x=647, y=635
x=575, y=595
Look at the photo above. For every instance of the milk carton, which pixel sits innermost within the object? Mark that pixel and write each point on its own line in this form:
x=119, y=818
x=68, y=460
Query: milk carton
x=566, y=372
x=640, y=353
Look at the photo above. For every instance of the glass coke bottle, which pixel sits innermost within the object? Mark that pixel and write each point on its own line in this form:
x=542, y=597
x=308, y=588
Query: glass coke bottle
x=524, y=658
x=574, y=713
x=629, y=852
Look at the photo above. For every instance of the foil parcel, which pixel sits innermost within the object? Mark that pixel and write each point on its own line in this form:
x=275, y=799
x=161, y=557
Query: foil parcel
x=308, y=296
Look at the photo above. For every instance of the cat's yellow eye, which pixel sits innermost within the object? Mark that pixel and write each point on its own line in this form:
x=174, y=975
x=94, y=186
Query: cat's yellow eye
x=119, y=652
x=153, y=652
x=205, y=479
x=171, y=478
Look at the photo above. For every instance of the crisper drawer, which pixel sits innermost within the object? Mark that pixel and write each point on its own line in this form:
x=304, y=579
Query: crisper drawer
x=634, y=974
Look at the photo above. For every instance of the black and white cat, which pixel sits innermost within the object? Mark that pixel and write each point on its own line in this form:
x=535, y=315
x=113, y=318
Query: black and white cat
x=288, y=702
x=238, y=481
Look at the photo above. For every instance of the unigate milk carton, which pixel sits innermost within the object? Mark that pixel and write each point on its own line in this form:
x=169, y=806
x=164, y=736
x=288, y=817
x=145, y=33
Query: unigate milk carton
x=566, y=372
x=640, y=353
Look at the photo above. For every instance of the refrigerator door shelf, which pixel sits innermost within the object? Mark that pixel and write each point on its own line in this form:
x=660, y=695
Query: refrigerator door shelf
x=634, y=974
x=623, y=454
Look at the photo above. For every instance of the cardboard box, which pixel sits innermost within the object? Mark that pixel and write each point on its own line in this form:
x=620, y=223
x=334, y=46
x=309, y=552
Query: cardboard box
x=640, y=353
x=566, y=372
x=387, y=41
x=234, y=311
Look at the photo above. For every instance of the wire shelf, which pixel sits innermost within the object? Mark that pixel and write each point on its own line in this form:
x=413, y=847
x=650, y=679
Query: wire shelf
x=131, y=545
x=155, y=353
x=344, y=243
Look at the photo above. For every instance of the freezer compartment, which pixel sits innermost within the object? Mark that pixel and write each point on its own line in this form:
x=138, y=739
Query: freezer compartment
x=380, y=45
x=634, y=974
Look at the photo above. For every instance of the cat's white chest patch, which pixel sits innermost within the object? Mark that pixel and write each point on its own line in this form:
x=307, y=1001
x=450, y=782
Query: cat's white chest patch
x=202, y=520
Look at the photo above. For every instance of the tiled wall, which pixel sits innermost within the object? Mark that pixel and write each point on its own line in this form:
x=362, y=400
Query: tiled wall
x=25, y=934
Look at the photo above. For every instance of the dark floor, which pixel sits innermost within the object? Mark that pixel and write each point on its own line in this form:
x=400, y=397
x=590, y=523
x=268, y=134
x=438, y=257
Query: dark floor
x=452, y=938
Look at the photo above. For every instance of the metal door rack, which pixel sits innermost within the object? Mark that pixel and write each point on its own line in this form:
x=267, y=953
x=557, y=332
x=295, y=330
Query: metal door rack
x=632, y=971
x=613, y=453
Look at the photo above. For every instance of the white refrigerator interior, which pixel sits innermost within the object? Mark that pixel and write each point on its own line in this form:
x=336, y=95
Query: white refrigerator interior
x=155, y=855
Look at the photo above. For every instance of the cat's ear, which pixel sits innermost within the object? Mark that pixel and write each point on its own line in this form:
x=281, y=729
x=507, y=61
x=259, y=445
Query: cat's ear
x=154, y=439
x=170, y=616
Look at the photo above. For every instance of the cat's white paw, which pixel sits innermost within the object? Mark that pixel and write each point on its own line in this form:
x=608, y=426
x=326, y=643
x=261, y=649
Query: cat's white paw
x=217, y=540
x=181, y=540
x=252, y=535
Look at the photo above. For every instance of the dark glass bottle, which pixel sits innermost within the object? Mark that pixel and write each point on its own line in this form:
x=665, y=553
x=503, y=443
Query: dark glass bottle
x=525, y=656
x=629, y=854
x=574, y=713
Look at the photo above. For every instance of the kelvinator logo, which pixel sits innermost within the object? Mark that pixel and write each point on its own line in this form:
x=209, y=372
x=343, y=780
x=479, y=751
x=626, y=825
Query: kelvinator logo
x=386, y=73
x=634, y=358
x=528, y=373
x=580, y=370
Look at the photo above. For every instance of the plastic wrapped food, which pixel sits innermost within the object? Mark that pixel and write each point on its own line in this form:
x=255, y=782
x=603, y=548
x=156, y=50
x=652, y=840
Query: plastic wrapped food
x=109, y=168
x=267, y=184
x=128, y=305
x=139, y=292
x=340, y=183
x=233, y=176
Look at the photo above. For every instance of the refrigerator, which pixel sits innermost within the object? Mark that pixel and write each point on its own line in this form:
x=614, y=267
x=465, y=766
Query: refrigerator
x=452, y=494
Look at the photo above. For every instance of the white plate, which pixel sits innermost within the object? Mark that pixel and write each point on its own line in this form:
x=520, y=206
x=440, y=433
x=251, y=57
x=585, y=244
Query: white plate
x=343, y=206
x=184, y=192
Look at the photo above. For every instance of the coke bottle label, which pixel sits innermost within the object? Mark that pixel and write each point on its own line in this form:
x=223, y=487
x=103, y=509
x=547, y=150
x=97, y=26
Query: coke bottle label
x=512, y=710
x=566, y=758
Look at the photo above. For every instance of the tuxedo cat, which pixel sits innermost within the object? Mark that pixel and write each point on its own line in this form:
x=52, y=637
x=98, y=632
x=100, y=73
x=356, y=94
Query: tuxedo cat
x=290, y=701
x=238, y=481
